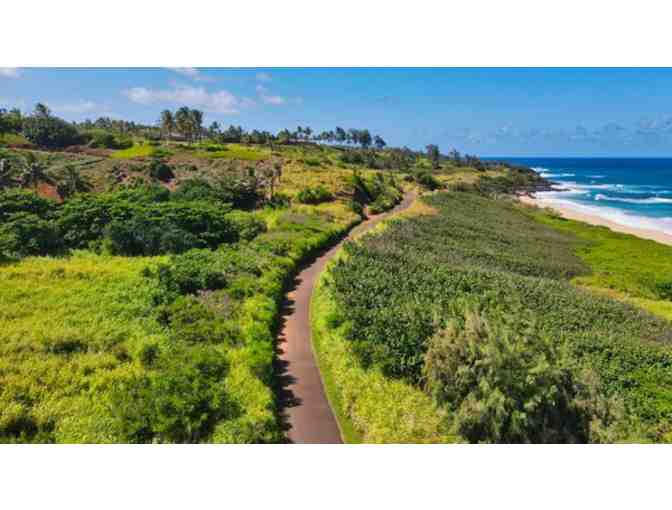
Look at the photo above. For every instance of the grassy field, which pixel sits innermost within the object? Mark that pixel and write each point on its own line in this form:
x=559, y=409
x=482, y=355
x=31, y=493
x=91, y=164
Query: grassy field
x=233, y=151
x=617, y=263
x=136, y=151
x=12, y=138
x=395, y=291
x=70, y=328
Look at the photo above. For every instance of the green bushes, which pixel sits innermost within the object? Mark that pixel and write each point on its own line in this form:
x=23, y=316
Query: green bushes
x=314, y=195
x=246, y=225
x=242, y=192
x=504, y=382
x=14, y=200
x=25, y=234
x=25, y=225
x=160, y=171
x=106, y=140
x=399, y=288
x=197, y=189
x=381, y=193
x=427, y=180
x=192, y=322
x=370, y=407
x=143, y=222
x=179, y=401
x=190, y=272
x=49, y=131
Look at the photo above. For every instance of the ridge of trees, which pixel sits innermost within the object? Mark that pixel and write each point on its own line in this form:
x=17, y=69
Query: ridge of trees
x=45, y=129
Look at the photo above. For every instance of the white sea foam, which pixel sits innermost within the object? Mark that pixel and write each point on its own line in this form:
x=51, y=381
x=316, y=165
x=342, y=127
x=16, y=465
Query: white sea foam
x=597, y=176
x=648, y=200
x=615, y=215
x=547, y=175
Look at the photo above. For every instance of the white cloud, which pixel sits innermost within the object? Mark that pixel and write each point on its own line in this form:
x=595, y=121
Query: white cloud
x=191, y=72
x=264, y=77
x=221, y=101
x=267, y=98
x=10, y=72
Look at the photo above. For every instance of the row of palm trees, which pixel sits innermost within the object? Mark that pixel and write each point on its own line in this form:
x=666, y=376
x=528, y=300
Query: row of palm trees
x=186, y=121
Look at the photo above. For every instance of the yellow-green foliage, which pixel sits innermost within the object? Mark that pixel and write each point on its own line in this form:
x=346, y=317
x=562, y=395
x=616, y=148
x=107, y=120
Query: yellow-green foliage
x=639, y=270
x=137, y=151
x=68, y=328
x=143, y=150
x=370, y=407
x=235, y=151
x=12, y=138
x=296, y=176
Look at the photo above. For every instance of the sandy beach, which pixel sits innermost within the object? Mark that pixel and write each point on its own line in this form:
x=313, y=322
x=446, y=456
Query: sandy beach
x=571, y=213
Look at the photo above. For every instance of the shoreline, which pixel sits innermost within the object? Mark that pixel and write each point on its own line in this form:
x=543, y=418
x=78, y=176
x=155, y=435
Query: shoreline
x=572, y=213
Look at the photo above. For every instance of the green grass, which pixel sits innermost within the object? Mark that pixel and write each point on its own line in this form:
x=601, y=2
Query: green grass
x=369, y=407
x=235, y=151
x=395, y=289
x=12, y=138
x=137, y=151
x=70, y=327
x=637, y=267
x=76, y=331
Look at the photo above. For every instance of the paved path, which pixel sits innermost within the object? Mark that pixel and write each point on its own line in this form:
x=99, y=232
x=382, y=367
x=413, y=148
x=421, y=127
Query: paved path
x=305, y=410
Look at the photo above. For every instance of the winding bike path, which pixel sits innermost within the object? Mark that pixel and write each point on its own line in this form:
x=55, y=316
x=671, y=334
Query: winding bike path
x=305, y=411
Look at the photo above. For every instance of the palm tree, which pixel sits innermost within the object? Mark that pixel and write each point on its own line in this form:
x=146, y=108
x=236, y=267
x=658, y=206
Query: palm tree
x=196, y=117
x=72, y=182
x=167, y=122
x=33, y=172
x=183, y=122
x=42, y=110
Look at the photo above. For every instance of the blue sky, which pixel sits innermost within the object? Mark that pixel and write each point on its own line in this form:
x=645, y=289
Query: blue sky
x=489, y=112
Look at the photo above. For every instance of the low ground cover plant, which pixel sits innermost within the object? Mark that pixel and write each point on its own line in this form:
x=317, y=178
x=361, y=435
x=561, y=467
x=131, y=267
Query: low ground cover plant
x=422, y=274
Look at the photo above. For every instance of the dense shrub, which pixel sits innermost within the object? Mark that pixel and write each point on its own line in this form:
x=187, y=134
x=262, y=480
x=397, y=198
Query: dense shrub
x=141, y=222
x=506, y=383
x=141, y=235
x=14, y=200
x=160, y=171
x=180, y=401
x=107, y=140
x=315, y=195
x=193, y=322
x=247, y=225
x=196, y=189
x=24, y=234
x=279, y=200
x=242, y=192
x=427, y=180
x=380, y=192
x=190, y=272
x=49, y=131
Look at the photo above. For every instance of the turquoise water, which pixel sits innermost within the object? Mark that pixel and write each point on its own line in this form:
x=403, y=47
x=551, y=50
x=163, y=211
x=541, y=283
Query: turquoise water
x=629, y=191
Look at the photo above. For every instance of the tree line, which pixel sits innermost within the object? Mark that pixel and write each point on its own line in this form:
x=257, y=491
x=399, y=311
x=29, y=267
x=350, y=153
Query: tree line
x=45, y=129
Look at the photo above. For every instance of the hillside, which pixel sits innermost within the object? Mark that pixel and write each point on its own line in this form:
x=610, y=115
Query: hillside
x=481, y=321
x=141, y=284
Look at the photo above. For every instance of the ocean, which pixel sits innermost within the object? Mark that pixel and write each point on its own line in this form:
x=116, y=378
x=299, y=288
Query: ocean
x=635, y=192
